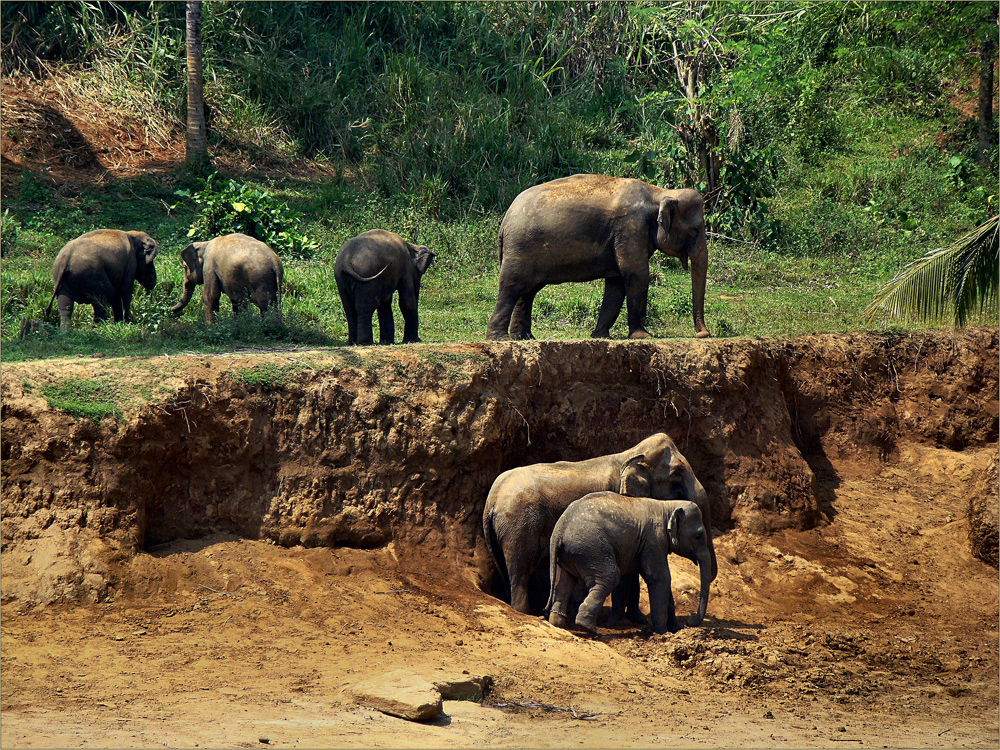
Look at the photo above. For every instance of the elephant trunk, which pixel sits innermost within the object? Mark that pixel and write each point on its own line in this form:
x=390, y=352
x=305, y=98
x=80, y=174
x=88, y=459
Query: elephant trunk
x=699, y=272
x=705, y=569
x=185, y=298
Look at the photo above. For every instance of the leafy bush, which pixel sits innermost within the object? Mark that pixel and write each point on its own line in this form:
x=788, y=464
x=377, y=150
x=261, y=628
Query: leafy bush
x=228, y=207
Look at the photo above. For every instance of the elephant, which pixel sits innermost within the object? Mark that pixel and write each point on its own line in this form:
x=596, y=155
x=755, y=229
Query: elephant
x=524, y=504
x=605, y=535
x=369, y=269
x=592, y=226
x=100, y=268
x=237, y=265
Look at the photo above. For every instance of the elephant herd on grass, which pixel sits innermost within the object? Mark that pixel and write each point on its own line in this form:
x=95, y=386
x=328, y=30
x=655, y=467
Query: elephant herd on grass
x=577, y=228
x=601, y=524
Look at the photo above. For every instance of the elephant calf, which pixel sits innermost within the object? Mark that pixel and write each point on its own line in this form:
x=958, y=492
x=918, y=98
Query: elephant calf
x=369, y=269
x=100, y=268
x=604, y=536
x=241, y=267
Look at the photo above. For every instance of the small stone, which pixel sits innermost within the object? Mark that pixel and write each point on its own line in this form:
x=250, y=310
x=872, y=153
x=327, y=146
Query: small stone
x=841, y=729
x=264, y=740
x=399, y=693
x=462, y=687
x=769, y=715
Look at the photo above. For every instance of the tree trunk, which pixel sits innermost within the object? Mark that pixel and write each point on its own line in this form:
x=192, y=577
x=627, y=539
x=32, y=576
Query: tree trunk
x=197, y=139
x=986, y=97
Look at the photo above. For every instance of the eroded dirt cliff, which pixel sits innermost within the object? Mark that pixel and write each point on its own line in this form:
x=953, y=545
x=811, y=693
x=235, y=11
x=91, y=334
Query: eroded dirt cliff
x=366, y=446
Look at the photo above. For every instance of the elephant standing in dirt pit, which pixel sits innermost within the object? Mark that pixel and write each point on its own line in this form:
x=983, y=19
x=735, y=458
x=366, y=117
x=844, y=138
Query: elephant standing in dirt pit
x=596, y=227
x=237, y=265
x=370, y=268
x=524, y=504
x=605, y=535
x=100, y=268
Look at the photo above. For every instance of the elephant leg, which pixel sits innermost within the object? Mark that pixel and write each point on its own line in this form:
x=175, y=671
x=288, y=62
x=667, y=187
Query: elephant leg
x=210, y=298
x=562, y=588
x=520, y=581
x=386, y=323
x=520, y=322
x=408, y=301
x=350, y=312
x=124, y=306
x=508, y=296
x=365, y=309
x=239, y=305
x=636, y=299
x=656, y=573
x=600, y=584
x=100, y=311
x=625, y=601
x=65, y=303
x=611, y=307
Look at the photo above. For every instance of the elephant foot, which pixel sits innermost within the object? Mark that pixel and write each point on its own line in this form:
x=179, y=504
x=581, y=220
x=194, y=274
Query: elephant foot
x=602, y=334
x=411, y=341
x=639, y=333
x=703, y=335
x=497, y=336
x=558, y=620
x=588, y=627
x=522, y=337
x=637, y=617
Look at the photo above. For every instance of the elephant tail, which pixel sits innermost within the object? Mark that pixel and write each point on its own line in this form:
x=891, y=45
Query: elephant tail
x=55, y=291
x=553, y=556
x=358, y=277
x=500, y=245
x=493, y=545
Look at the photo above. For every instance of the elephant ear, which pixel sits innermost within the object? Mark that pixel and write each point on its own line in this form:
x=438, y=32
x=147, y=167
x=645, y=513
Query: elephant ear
x=148, y=248
x=422, y=257
x=665, y=218
x=194, y=256
x=636, y=478
x=673, y=524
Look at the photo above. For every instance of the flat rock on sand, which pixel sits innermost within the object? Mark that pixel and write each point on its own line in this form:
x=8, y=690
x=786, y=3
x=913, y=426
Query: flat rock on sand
x=399, y=693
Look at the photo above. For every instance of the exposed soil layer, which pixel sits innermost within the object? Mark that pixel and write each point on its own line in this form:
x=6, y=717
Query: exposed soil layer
x=260, y=531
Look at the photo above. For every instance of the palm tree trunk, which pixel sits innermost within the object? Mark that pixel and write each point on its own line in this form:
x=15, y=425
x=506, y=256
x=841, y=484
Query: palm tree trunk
x=197, y=139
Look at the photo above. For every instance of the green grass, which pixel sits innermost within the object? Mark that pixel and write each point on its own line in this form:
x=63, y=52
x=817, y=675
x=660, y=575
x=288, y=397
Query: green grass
x=268, y=376
x=84, y=398
x=752, y=290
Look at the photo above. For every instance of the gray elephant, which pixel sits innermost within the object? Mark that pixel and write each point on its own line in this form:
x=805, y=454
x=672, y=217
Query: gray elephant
x=237, y=265
x=100, y=268
x=596, y=227
x=604, y=536
x=369, y=269
x=524, y=504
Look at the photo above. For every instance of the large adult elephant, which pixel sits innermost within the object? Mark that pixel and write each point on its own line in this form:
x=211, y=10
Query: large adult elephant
x=100, y=268
x=592, y=226
x=524, y=504
x=605, y=536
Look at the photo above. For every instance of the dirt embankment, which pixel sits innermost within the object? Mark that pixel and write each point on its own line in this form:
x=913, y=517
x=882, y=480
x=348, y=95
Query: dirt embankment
x=363, y=447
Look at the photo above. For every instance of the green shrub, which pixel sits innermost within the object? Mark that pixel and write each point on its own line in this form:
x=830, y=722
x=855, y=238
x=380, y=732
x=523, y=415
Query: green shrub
x=9, y=227
x=228, y=207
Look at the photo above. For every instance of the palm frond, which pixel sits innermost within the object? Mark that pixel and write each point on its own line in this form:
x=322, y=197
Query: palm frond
x=951, y=281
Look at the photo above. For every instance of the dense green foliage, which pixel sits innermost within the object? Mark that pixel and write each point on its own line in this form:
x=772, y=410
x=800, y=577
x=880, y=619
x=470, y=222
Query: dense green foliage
x=841, y=156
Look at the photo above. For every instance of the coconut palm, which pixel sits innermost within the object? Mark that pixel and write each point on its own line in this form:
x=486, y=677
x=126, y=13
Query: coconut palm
x=197, y=142
x=952, y=281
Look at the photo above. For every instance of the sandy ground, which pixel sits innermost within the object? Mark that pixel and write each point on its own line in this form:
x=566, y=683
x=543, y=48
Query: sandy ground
x=877, y=630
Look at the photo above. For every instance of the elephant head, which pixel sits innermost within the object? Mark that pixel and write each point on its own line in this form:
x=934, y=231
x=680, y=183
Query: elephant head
x=145, y=249
x=658, y=470
x=680, y=233
x=422, y=257
x=193, y=257
x=689, y=538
